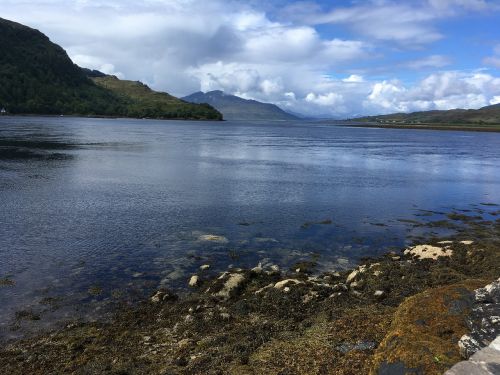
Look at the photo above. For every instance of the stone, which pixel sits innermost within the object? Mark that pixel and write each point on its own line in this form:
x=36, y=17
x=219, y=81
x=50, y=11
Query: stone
x=258, y=269
x=205, y=267
x=378, y=293
x=428, y=252
x=352, y=276
x=467, y=242
x=193, y=281
x=283, y=283
x=264, y=288
x=484, y=362
x=163, y=296
x=275, y=268
x=234, y=281
x=483, y=321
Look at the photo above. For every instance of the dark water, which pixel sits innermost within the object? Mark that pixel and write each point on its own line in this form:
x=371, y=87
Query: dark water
x=96, y=211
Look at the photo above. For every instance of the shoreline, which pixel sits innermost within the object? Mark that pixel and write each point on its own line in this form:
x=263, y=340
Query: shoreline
x=264, y=320
x=455, y=127
x=109, y=117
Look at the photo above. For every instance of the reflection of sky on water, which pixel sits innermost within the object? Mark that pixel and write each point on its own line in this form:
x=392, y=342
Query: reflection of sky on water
x=123, y=209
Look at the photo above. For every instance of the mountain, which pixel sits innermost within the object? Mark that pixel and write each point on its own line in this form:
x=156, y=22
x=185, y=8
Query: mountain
x=38, y=77
x=236, y=108
x=489, y=115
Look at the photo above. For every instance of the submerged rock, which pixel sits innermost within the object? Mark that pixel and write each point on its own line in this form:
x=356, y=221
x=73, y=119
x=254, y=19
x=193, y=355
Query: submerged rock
x=213, y=238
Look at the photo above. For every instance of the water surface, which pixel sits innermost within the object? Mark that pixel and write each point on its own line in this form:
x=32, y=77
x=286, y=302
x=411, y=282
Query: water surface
x=94, y=211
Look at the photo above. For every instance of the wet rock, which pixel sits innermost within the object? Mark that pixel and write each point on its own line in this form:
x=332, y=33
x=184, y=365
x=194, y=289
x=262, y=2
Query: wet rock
x=163, y=295
x=258, y=269
x=428, y=252
x=205, y=267
x=232, y=284
x=193, y=281
x=264, y=288
x=483, y=321
x=484, y=362
x=283, y=283
x=275, y=268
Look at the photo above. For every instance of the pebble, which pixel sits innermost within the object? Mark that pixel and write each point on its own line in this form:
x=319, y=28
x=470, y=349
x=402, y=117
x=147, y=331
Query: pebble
x=205, y=267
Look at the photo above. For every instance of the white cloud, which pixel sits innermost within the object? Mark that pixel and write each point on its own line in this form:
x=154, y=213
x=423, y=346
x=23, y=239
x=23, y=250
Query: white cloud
x=495, y=59
x=446, y=90
x=182, y=46
x=434, y=61
x=354, y=78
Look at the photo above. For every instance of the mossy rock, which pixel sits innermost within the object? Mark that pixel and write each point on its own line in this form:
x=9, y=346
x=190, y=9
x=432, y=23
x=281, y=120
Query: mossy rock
x=342, y=346
x=425, y=331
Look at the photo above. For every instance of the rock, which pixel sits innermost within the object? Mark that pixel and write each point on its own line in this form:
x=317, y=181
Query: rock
x=234, y=281
x=378, y=293
x=356, y=293
x=377, y=273
x=225, y=316
x=355, y=273
x=275, y=268
x=205, y=267
x=283, y=283
x=445, y=242
x=467, y=242
x=213, y=238
x=340, y=287
x=483, y=321
x=428, y=252
x=264, y=288
x=163, y=296
x=258, y=269
x=310, y=296
x=352, y=276
x=193, y=281
x=484, y=362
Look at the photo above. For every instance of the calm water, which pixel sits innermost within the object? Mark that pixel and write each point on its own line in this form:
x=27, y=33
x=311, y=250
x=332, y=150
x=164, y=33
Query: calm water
x=119, y=207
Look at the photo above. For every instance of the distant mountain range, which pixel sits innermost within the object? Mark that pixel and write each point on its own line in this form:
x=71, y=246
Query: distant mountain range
x=489, y=115
x=236, y=108
x=38, y=77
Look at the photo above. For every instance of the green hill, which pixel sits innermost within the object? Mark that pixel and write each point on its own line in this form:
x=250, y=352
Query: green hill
x=144, y=102
x=38, y=77
x=236, y=108
x=485, y=116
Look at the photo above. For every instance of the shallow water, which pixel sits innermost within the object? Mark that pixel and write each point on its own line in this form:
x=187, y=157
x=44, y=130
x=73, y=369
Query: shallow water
x=94, y=211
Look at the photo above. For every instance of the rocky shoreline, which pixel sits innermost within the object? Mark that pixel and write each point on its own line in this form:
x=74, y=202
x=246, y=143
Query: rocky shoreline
x=402, y=313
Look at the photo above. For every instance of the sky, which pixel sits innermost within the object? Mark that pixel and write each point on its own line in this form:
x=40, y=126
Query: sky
x=320, y=58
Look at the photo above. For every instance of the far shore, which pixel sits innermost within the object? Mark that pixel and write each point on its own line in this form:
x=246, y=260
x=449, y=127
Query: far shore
x=460, y=127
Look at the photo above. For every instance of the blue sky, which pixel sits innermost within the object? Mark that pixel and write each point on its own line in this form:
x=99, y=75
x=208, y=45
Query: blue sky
x=322, y=58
